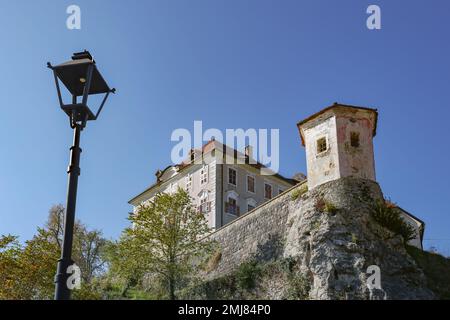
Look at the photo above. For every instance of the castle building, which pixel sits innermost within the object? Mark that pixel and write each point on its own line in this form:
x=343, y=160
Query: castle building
x=338, y=142
x=222, y=189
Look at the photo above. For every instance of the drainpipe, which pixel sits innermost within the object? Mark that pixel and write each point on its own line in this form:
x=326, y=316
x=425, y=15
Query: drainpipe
x=221, y=195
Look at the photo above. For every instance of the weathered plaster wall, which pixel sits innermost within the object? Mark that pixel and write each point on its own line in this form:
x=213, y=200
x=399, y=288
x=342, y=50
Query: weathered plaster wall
x=355, y=161
x=322, y=167
x=341, y=159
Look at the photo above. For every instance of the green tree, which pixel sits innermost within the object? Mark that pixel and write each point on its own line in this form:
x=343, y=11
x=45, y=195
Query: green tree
x=87, y=244
x=29, y=269
x=166, y=238
x=123, y=269
x=10, y=250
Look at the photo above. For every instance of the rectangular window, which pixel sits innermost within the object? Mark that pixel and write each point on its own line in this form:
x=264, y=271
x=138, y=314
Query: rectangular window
x=321, y=145
x=251, y=184
x=354, y=139
x=188, y=182
x=204, y=175
x=267, y=191
x=232, y=176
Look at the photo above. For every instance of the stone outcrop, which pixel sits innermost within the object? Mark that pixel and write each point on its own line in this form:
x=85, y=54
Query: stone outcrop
x=331, y=238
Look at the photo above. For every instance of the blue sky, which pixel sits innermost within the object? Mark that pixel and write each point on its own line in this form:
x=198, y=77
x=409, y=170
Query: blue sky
x=231, y=64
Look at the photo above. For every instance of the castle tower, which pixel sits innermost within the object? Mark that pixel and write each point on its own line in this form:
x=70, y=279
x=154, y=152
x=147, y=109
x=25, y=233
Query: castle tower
x=338, y=143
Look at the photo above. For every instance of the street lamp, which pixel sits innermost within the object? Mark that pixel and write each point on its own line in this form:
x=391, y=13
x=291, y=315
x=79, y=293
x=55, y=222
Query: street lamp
x=81, y=78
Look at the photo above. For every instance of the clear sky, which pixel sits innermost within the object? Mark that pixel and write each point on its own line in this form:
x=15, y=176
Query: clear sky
x=231, y=64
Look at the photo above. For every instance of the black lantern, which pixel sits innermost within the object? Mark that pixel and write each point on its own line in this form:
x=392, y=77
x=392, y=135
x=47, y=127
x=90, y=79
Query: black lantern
x=81, y=77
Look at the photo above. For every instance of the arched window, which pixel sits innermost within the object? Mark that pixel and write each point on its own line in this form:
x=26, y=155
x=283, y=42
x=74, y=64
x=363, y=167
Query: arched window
x=251, y=204
x=231, y=204
x=204, y=204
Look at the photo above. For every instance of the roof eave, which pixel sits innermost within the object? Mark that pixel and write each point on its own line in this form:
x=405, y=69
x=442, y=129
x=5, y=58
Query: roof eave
x=336, y=105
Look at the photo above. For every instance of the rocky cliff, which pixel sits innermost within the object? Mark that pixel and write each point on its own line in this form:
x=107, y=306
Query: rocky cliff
x=312, y=245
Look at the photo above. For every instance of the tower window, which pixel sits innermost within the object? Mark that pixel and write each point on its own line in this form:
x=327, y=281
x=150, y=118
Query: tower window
x=321, y=145
x=354, y=139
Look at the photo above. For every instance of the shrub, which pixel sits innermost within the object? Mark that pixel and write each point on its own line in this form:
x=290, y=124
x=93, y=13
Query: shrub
x=299, y=287
x=325, y=206
x=330, y=208
x=389, y=217
x=213, y=261
x=247, y=274
x=297, y=193
x=320, y=204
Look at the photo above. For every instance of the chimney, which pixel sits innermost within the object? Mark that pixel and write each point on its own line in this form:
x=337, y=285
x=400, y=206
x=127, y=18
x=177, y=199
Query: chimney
x=158, y=175
x=299, y=177
x=249, y=151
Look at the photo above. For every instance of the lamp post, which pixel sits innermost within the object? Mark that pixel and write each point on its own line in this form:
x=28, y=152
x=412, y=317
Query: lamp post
x=81, y=78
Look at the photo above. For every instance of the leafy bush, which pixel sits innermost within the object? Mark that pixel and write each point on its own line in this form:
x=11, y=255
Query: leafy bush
x=325, y=206
x=247, y=274
x=330, y=208
x=299, y=287
x=213, y=261
x=297, y=193
x=389, y=217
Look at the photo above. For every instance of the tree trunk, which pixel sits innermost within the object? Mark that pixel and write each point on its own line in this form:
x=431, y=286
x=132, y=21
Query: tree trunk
x=172, y=277
x=172, y=288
